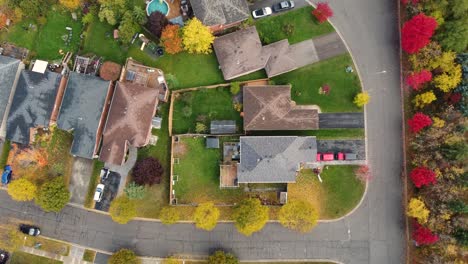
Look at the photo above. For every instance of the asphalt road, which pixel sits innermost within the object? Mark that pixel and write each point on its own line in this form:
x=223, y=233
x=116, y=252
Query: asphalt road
x=373, y=234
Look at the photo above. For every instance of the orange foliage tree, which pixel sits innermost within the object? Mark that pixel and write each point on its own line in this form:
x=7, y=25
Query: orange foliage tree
x=3, y=20
x=171, y=39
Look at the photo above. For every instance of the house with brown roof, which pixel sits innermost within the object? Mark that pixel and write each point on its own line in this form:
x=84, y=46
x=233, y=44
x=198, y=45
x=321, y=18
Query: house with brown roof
x=220, y=14
x=270, y=107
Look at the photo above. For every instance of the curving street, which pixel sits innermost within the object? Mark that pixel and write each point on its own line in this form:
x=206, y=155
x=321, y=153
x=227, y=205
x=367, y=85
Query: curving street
x=372, y=234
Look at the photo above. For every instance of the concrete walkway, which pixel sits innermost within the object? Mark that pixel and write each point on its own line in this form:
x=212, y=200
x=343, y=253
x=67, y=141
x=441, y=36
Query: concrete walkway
x=125, y=169
x=79, y=182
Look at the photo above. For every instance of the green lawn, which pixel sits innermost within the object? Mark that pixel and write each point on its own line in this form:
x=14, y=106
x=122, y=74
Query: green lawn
x=50, y=41
x=272, y=29
x=16, y=34
x=5, y=152
x=93, y=182
x=98, y=43
x=48, y=245
x=19, y=257
x=350, y=133
x=205, y=105
x=306, y=82
x=337, y=195
x=89, y=255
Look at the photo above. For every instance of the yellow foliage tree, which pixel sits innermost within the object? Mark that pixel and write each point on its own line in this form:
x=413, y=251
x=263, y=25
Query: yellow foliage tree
x=418, y=210
x=250, y=216
x=424, y=99
x=449, y=80
x=437, y=122
x=70, y=4
x=298, y=215
x=206, y=216
x=445, y=62
x=122, y=210
x=169, y=215
x=197, y=38
x=361, y=99
x=22, y=190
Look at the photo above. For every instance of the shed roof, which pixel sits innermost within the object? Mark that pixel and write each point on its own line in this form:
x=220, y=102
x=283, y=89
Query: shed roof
x=219, y=12
x=212, y=142
x=81, y=110
x=8, y=71
x=223, y=127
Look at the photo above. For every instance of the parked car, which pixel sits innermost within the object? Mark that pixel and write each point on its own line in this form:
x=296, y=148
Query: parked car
x=266, y=11
x=350, y=156
x=4, y=256
x=99, y=192
x=282, y=6
x=30, y=230
x=325, y=156
x=6, y=175
x=104, y=173
x=340, y=156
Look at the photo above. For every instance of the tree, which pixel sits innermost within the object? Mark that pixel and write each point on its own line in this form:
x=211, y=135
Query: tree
x=169, y=215
x=235, y=88
x=461, y=235
x=88, y=18
x=122, y=209
x=139, y=15
x=452, y=35
x=418, y=122
x=363, y=173
x=221, y=257
x=157, y=21
x=421, y=100
x=11, y=239
x=417, y=79
x=449, y=80
x=70, y=4
x=110, y=71
x=423, y=235
x=171, y=40
x=147, y=171
x=250, y=216
x=422, y=176
x=437, y=122
x=197, y=38
x=322, y=12
x=3, y=20
x=298, y=215
x=418, y=210
x=124, y=256
x=112, y=10
x=53, y=195
x=206, y=216
x=417, y=32
x=107, y=14
x=128, y=27
x=22, y=190
x=361, y=99
x=135, y=191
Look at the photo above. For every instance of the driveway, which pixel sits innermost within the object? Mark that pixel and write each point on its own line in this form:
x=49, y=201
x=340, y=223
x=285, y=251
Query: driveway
x=79, y=182
x=341, y=120
x=264, y=3
x=111, y=188
x=124, y=170
x=347, y=146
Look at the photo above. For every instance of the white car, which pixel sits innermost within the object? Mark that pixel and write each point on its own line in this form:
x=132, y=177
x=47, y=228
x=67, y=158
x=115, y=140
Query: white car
x=266, y=11
x=99, y=192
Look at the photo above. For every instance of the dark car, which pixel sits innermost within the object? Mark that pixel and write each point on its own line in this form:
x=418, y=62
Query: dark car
x=6, y=175
x=4, y=256
x=30, y=230
x=282, y=6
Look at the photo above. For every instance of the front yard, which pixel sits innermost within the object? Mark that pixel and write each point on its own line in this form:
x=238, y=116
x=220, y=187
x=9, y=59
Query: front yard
x=19, y=257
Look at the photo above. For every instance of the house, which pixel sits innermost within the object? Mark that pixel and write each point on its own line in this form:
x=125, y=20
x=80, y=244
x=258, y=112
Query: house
x=129, y=121
x=83, y=112
x=10, y=70
x=219, y=127
x=32, y=104
x=241, y=52
x=274, y=159
x=270, y=107
x=220, y=14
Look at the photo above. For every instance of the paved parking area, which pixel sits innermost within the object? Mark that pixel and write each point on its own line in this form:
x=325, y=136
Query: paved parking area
x=354, y=146
x=79, y=182
x=112, y=183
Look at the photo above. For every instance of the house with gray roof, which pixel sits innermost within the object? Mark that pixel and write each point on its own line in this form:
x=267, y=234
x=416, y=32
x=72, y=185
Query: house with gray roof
x=220, y=127
x=82, y=111
x=10, y=70
x=32, y=104
x=274, y=159
x=220, y=14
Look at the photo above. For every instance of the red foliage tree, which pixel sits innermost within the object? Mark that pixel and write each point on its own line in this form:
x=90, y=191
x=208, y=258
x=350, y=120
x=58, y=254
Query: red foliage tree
x=417, y=79
x=413, y=2
x=418, y=122
x=147, y=171
x=110, y=71
x=157, y=21
x=423, y=235
x=455, y=98
x=423, y=176
x=322, y=12
x=417, y=33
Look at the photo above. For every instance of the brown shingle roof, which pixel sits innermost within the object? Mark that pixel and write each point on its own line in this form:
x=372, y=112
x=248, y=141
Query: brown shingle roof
x=271, y=108
x=129, y=121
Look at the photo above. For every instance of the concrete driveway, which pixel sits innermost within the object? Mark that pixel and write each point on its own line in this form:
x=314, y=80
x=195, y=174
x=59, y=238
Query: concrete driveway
x=79, y=181
x=111, y=188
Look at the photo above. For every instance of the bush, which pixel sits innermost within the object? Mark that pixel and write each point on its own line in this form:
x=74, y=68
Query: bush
x=200, y=128
x=461, y=235
x=110, y=71
x=418, y=122
x=221, y=257
x=250, y=216
x=147, y=171
x=206, y=216
x=135, y=191
x=187, y=111
x=422, y=176
x=361, y=99
x=22, y=190
x=298, y=215
x=157, y=21
x=122, y=210
x=288, y=29
x=235, y=88
x=417, y=32
x=423, y=235
x=322, y=12
x=53, y=195
x=124, y=256
x=169, y=215
x=418, y=210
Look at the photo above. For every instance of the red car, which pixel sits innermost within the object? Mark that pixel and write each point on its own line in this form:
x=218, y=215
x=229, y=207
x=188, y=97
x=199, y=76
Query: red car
x=340, y=156
x=325, y=156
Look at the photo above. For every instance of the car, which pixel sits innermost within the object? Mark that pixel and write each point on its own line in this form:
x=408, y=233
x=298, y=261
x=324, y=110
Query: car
x=4, y=256
x=266, y=11
x=340, y=156
x=6, y=175
x=282, y=6
x=350, y=156
x=319, y=156
x=30, y=230
x=99, y=191
x=104, y=173
x=325, y=156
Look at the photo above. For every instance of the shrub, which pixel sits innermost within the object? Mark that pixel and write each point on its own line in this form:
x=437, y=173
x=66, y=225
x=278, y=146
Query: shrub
x=417, y=79
x=458, y=206
x=422, y=176
x=124, y=256
x=423, y=235
x=361, y=99
x=206, y=216
x=110, y=71
x=421, y=100
x=250, y=216
x=221, y=257
x=135, y=191
x=417, y=32
x=22, y=190
x=461, y=235
x=53, y=195
x=235, y=88
x=200, y=128
x=363, y=173
x=169, y=215
x=122, y=210
x=147, y=171
x=322, y=12
x=418, y=122
x=288, y=29
x=187, y=111
x=418, y=210
x=157, y=21
x=298, y=215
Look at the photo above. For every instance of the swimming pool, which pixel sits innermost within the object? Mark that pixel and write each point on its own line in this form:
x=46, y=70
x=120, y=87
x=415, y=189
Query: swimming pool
x=157, y=5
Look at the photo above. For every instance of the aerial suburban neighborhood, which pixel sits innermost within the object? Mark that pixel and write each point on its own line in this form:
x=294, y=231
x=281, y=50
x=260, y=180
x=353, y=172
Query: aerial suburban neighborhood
x=233, y=131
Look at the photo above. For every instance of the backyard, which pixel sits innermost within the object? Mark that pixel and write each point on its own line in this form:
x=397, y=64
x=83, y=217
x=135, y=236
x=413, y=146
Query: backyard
x=203, y=106
x=336, y=196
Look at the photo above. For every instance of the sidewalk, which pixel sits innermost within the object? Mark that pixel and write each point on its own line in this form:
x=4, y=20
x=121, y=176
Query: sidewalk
x=75, y=256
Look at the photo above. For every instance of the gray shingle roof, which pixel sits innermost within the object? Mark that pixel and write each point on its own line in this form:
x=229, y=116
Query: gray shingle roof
x=274, y=159
x=81, y=110
x=220, y=12
x=218, y=127
x=32, y=104
x=8, y=69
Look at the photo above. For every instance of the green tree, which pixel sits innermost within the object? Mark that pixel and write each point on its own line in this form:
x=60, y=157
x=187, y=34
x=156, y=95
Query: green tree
x=53, y=195
x=135, y=191
x=197, y=38
x=88, y=18
x=128, y=27
x=108, y=15
x=361, y=99
x=124, y=256
x=22, y=190
x=298, y=215
x=112, y=10
x=206, y=216
x=235, y=88
x=200, y=128
x=452, y=35
x=250, y=216
x=169, y=215
x=122, y=209
x=139, y=15
x=221, y=257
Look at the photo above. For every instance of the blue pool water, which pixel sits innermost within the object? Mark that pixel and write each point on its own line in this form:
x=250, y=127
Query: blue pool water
x=157, y=5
